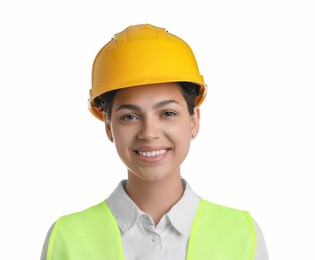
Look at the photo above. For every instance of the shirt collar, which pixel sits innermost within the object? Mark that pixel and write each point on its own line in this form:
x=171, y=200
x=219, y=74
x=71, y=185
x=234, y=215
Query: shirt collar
x=126, y=212
x=123, y=208
x=182, y=214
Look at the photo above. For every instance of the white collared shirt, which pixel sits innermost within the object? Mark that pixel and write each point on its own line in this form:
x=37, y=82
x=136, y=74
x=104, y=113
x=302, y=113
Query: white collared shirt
x=141, y=239
x=168, y=240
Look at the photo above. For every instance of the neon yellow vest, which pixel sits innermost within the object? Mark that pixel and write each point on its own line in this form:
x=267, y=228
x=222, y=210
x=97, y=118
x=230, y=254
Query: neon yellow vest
x=218, y=233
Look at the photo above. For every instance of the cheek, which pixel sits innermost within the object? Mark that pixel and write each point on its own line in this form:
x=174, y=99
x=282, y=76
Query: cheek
x=180, y=134
x=121, y=145
x=122, y=139
x=120, y=136
x=181, y=127
x=118, y=131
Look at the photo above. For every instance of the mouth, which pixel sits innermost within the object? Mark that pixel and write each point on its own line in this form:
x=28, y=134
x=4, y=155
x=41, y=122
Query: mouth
x=150, y=154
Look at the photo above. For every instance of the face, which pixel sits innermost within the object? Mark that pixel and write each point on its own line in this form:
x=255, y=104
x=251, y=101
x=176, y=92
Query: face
x=152, y=130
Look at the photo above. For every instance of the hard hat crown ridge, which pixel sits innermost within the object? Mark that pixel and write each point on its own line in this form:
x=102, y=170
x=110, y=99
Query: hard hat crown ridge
x=143, y=54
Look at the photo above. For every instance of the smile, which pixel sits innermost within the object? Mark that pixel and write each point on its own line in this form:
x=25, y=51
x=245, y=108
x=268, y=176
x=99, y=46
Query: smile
x=151, y=153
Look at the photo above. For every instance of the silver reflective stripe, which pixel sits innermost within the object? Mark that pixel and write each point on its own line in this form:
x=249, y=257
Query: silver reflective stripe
x=43, y=256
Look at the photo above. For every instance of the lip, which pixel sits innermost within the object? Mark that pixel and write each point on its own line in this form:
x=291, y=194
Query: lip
x=151, y=149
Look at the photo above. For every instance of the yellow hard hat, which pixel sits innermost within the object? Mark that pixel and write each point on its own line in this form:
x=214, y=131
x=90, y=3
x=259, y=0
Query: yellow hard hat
x=143, y=54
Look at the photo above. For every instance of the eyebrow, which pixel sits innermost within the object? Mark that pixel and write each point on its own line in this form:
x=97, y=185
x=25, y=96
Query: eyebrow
x=165, y=103
x=156, y=106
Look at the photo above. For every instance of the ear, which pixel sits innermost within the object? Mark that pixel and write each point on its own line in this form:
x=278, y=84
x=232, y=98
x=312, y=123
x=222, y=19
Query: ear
x=195, y=122
x=108, y=128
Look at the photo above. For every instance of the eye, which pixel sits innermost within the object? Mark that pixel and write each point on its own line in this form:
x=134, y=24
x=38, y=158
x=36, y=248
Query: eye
x=129, y=117
x=169, y=114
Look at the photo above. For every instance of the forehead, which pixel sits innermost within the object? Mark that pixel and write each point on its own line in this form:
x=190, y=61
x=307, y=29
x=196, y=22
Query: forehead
x=150, y=93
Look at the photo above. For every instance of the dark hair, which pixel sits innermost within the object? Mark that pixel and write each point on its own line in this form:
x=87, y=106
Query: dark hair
x=104, y=102
x=190, y=92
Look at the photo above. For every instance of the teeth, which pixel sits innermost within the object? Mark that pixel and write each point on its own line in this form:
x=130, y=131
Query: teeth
x=152, y=154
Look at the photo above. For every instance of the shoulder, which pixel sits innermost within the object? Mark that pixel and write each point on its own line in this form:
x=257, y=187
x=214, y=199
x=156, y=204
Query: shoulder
x=88, y=212
x=80, y=233
x=213, y=209
x=224, y=218
x=87, y=217
x=83, y=225
x=223, y=229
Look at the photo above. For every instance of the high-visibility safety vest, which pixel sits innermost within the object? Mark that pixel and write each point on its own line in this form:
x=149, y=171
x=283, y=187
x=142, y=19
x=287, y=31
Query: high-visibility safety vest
x=218, y=233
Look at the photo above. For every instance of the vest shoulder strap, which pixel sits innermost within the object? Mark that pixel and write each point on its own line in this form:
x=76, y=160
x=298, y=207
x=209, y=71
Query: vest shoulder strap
x=219, y=232
x=89, y=234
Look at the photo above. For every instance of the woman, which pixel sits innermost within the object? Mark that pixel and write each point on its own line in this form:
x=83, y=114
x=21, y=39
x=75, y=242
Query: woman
x=147, y=89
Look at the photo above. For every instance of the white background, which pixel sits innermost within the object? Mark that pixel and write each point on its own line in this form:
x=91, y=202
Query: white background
x=256, y=147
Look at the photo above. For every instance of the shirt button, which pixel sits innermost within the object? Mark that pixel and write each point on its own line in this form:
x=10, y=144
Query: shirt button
x=155, y=238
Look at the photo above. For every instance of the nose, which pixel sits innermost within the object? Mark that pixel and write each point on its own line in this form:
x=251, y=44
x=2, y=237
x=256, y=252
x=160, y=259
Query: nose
x=150, y=129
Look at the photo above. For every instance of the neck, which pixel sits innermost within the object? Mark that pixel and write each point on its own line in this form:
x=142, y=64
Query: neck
x=155, y=198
